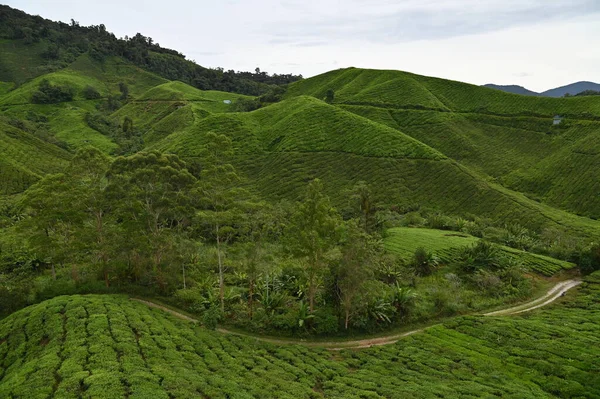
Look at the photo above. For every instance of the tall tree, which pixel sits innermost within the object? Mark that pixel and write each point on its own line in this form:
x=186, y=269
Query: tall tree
x=151, y=192
x=312, y=235
x=363, y=205
x=221, y=198
x=355, y=268
x=52, y=211
x=88, y=172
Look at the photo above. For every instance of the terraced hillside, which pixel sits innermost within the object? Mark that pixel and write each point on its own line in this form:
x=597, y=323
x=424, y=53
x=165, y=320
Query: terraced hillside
x=109, y=347
x=24, y=158
x=395, y=89
x=447, y=244
x=303, y=138
x=507, y=137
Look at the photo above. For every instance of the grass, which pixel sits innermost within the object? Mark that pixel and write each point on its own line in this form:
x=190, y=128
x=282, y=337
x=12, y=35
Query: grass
x=110, y=347
x=446, y=245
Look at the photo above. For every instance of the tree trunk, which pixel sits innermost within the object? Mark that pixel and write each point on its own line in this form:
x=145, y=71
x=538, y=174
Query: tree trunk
x=250, y=298
x=53, y=271
x=183, y=268
x=347, y=318
x=221, y=280
x=106, y=277
x=311, y=295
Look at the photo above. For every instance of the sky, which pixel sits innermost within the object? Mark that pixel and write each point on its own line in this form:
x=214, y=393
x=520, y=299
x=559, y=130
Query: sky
x=539, y=44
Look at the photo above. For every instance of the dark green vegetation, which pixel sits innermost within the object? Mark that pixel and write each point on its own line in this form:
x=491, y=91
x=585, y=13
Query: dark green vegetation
x=32, y=46
x=107, y=346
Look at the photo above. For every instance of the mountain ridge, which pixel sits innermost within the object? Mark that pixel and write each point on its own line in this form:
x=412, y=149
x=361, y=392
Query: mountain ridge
x=570, y=89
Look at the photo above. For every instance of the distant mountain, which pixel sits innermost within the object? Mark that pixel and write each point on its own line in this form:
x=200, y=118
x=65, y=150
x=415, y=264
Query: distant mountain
x=512, y=89
x=573, y=89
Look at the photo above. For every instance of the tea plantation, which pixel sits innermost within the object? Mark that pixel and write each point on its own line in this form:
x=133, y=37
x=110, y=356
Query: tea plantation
x=110, y=347
x=447, y=245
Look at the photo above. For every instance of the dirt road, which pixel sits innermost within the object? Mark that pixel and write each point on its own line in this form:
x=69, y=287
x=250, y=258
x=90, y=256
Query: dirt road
x=553, y=294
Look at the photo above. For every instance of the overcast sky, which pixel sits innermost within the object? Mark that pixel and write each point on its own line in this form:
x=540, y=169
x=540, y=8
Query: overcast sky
x=539, y=44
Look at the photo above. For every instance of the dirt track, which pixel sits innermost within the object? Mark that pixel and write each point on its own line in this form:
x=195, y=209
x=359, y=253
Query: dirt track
x=553, y=294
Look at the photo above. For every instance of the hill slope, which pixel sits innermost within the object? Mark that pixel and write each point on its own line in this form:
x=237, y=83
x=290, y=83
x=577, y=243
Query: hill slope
x=24, y=158
x=507, y=137
x=515, y=89
x=109, y=347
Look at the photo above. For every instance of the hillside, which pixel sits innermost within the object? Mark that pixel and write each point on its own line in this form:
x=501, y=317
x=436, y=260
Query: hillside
x=24, y=158
x=515, y=89
x=107, y=346
x=32, y=46
x=508, y=137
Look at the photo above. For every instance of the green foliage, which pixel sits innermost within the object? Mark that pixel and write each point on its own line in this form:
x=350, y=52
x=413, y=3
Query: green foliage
x=90, y=93
x=424, y=262
x=312, y=235
x=50, y=94
x=448, y=246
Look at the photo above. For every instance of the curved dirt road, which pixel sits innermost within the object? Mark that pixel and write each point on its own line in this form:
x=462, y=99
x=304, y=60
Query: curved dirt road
x=553, y=294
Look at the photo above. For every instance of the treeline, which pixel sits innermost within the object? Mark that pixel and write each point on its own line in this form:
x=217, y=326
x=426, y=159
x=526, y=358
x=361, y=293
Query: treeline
x=64, y=42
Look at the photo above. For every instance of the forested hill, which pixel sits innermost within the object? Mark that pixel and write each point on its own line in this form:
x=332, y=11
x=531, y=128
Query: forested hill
x=46, y=46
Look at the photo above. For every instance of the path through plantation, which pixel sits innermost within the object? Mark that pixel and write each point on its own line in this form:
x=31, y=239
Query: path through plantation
x=553, y=294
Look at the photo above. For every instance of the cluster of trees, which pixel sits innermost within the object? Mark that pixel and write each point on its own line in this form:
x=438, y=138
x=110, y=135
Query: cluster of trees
x=48, y=93
x=67, y=41
x=202, y=238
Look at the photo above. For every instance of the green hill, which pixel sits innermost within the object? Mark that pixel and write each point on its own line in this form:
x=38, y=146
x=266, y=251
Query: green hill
x=507, y=137
x=396, y=89
x=110, y=347
x=303, y=138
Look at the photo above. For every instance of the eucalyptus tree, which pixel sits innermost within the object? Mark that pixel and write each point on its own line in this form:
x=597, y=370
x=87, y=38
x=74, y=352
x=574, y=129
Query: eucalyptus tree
x=152, y=197
x=355, y=268
x=222, y=200
x=312, y=236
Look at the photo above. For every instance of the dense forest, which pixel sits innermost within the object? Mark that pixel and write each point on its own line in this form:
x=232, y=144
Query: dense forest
x=63, y=43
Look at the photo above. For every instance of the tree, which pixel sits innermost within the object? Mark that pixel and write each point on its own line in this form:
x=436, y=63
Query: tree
x=151, y=193
x=90, y=93
x=124, y=91
x=313, y=234
x=50, y=223
x=355, y=268
x=88, y=169
x=363, y=205
x=128, y=126
x=220, y=197
x=329, y=96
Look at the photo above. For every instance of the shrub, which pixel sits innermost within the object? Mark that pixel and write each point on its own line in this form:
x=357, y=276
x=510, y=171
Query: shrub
x=50, y=94
x=424, y=262
x=90, y=93
x=245, y=105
